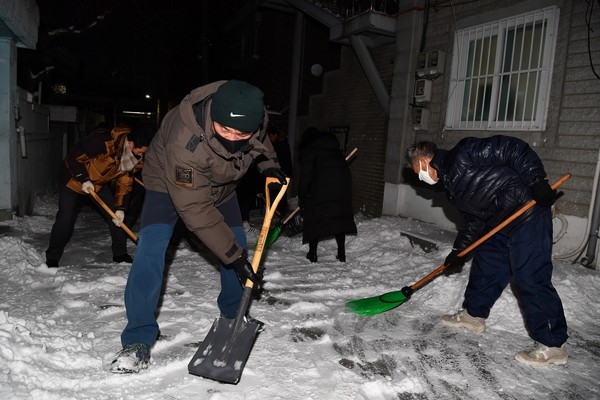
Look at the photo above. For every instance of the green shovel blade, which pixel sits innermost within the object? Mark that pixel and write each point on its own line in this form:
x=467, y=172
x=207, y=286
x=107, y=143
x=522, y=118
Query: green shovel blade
x=272, y=236
x=377, y=304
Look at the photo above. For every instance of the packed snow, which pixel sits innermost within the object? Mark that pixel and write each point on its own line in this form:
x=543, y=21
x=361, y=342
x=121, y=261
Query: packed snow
x=59, y=328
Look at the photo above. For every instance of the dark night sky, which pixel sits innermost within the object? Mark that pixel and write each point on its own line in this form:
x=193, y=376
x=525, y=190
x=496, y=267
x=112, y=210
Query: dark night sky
x=126, y=46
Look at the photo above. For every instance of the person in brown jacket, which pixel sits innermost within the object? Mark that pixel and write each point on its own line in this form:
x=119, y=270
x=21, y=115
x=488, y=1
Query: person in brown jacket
x=200, y=153
x=93, y=163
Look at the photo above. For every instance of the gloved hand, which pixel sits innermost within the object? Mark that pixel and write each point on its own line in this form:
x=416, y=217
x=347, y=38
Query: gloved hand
x=87, y=186
x=275, y=173
x=120, y=217
x=244, y=270
x=454, y=262
x=543, y=194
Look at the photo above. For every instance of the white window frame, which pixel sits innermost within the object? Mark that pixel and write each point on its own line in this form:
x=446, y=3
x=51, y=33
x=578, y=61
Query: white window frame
x=535, y=118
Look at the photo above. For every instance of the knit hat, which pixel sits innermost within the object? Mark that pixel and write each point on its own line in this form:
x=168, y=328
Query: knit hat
x=238, y=105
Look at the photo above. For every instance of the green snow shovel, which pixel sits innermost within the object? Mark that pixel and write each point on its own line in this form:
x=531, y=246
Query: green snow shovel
x=224, y=352
x=275, y=232
x=385, y=302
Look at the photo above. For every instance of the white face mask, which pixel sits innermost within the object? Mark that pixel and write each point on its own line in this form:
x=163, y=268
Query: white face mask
x=424, y=175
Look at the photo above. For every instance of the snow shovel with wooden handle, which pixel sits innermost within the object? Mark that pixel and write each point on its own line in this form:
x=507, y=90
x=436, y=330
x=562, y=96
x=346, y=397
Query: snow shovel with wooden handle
x=112, y=214
x=224, y=352
x=385, y=302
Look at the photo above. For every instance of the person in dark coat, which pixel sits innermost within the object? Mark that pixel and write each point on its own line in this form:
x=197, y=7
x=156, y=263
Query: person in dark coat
x=325, y=192
x=488, y=180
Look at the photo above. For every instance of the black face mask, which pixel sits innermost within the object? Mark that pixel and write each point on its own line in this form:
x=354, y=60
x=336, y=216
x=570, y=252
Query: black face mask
x=233, y=146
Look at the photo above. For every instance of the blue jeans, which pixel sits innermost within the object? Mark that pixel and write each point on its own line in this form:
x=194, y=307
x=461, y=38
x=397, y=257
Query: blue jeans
x=525, y=257
x=144, y=284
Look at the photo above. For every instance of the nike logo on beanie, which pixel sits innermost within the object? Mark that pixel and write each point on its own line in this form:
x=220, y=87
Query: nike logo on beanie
x=236, y=115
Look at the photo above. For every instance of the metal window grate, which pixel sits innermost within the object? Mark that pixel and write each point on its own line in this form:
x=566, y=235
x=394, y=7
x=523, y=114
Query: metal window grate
x=501, y=73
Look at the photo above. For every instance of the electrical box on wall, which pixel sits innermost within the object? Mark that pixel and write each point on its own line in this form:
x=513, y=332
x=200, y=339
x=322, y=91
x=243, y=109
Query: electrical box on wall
x=435, y=62
x=420, y=119
x=423, y=89
x=430, y=64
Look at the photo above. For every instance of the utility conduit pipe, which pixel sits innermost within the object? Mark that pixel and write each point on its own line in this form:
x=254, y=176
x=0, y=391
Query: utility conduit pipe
x=594, y=209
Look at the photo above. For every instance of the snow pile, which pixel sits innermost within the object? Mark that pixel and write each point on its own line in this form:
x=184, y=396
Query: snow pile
x=60, y=328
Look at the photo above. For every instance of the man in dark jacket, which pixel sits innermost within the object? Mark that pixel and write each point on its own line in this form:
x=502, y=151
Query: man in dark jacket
x=488, y=180
x=196, y=159
x=93, y=163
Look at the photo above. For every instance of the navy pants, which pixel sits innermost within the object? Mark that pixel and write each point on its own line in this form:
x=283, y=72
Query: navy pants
x=142, y=292
x=525, y=258
x=69, y=203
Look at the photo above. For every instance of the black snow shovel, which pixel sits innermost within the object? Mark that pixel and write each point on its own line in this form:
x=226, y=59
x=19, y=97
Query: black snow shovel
x=224, y=352
x=390, y=300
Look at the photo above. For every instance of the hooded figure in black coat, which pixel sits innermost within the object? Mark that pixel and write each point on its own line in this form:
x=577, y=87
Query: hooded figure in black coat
x=325, y=192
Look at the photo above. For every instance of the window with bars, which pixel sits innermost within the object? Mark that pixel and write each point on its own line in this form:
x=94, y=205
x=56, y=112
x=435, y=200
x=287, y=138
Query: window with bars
x=501, y=73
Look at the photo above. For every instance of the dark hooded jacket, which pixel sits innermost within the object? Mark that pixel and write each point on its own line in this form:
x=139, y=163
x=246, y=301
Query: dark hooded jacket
x=325, y=190
x=488, y=180
x=185, y=160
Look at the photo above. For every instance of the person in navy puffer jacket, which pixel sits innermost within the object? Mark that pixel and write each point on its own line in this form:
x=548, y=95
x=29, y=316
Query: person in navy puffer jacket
x=488, y=180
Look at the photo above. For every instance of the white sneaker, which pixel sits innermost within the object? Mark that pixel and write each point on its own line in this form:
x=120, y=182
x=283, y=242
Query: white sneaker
x=542, y=355
x=462, y=319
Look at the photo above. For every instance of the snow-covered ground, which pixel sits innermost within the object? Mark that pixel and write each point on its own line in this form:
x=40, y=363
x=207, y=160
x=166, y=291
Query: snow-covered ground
x=60, y=328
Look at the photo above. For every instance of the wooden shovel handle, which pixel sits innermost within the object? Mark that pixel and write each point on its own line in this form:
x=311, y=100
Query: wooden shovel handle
x=285, y=221
x=112, y=214
x=264, y=231
x=138, y=180
x=507, y=221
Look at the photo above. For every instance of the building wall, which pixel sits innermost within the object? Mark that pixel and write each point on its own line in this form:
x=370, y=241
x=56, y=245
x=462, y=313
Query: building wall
x=347, y=100
x=571, y=140
x=37, y=166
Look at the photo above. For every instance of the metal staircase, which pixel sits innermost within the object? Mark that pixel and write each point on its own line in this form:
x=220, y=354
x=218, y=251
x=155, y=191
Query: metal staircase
x=373, y=21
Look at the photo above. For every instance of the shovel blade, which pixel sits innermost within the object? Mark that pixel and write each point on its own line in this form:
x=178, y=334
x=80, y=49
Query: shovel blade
x=377, y=304
x=224, y=352
x=272, y=236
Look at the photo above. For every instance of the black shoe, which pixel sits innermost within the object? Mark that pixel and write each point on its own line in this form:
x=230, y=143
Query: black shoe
x=312, y=257
x=124, y=258
x=52, y=263
x=341, y=257
x=132, y=358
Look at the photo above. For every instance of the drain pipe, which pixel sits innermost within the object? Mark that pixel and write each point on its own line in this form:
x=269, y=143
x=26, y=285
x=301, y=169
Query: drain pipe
x=590, y=254
x=593, y=209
